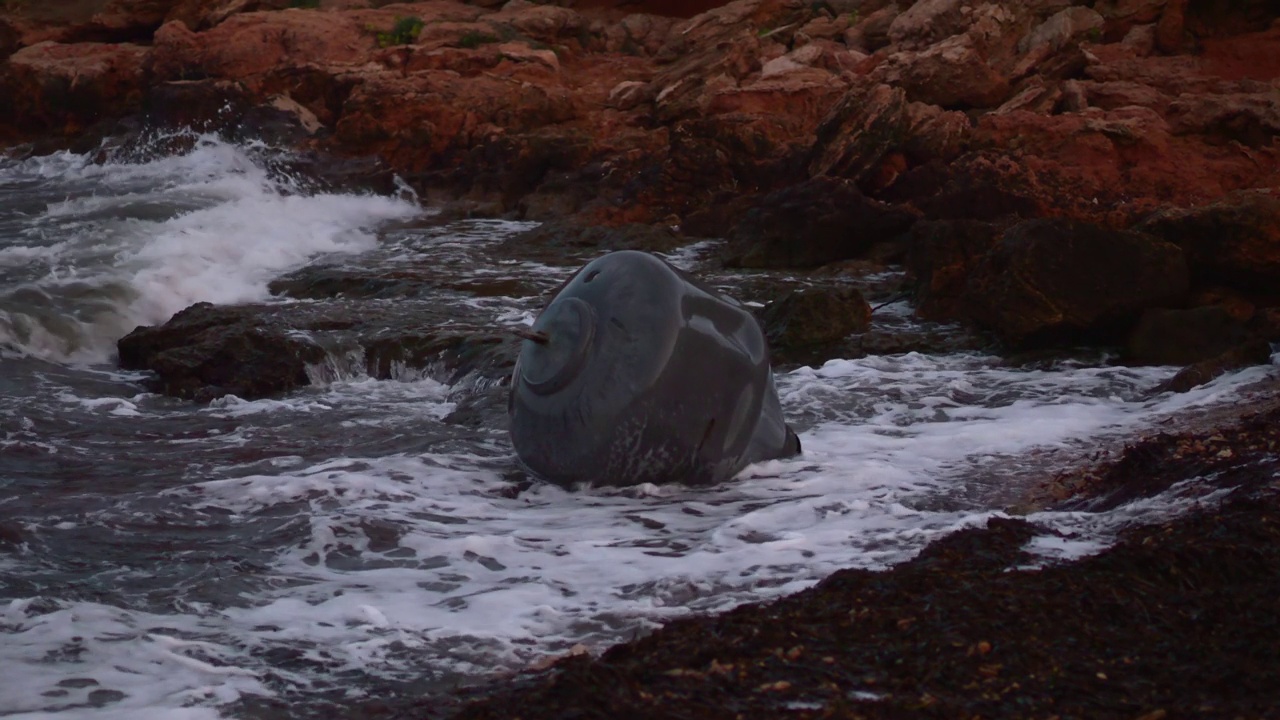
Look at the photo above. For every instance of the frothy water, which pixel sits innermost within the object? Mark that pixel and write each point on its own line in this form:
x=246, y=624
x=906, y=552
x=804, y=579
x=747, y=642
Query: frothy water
x=350, y=540
x=91, y=251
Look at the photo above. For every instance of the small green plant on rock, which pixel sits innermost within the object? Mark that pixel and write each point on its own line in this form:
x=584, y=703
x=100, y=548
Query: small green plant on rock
x=474, y=39
x=403, y=32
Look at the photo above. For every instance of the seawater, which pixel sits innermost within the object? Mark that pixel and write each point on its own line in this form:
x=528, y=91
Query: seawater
x=160, y=558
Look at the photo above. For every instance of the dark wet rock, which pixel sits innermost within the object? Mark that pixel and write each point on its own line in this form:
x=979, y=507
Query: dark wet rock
x=1266, y=324
x=208, y=351
x=1248, y=354
x=315, y=283
x=255, y=351
x=928, y=340
x=568, y=242
x=324, y=282
x=1234, y=242
x=815, y=316
x=819, y=221
x=977, y=186
x=942, y=254
x=1053, y=281
x=1182, y=337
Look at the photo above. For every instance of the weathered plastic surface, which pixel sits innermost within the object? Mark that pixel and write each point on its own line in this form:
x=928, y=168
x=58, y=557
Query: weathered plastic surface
x=646, y=377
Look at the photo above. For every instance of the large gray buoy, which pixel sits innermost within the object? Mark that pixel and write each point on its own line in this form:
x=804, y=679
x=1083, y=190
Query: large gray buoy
x=636, y=373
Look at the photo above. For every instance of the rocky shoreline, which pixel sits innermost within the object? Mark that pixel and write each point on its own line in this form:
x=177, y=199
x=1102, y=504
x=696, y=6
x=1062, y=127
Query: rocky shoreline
x=1054, y=174
x=1047, y=175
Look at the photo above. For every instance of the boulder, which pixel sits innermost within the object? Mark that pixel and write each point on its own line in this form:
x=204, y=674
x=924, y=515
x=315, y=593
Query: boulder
x=256, y=351
x=1051, y=281
x=941, y=255
x=1234, y=242
x=818, y=221
x=206, y=351
x=815, y=316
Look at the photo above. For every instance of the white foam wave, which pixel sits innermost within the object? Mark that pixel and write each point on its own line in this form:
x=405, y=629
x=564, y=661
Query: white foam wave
x=144, y=240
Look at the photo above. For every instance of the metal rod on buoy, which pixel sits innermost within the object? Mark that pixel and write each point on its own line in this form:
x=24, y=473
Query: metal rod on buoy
x=534, y=335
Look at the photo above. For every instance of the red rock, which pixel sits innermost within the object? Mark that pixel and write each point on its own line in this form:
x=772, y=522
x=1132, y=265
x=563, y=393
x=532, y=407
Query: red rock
x=1121, y=93
x=137, y=18
x=1123, y=15
x=638, y=33
x=251, y=45
x=420, y=118
x=951, y=73
x=1171, y=29
x=1252, y=119
x=872, y=32
x=859, y=131
x=546, y=23
x=65, y=88
x=1252, y=56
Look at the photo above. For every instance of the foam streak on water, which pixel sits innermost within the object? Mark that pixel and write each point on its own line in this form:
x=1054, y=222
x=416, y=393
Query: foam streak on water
x=349, y=540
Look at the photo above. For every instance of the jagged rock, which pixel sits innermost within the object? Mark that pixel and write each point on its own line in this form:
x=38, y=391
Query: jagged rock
x=1053, y=35
x=928, y=21
x=816, y=222
x=815, y=316
x=1052, y=281
x=864, y=126
x=1183, y=337
x=952, y=74
x=619, y=113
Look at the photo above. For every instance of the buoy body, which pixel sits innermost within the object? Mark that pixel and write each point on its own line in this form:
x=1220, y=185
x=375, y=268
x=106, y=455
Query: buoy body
x=645, y=376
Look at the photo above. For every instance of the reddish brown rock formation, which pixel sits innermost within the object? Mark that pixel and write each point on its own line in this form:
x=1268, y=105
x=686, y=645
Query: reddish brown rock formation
x=954, y=112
